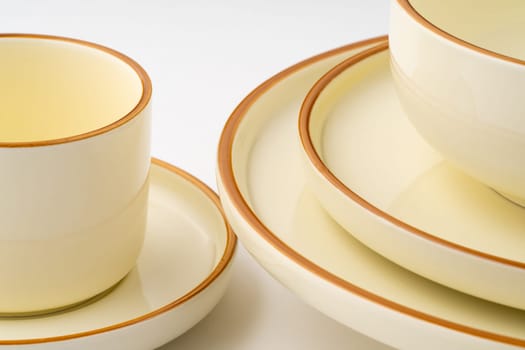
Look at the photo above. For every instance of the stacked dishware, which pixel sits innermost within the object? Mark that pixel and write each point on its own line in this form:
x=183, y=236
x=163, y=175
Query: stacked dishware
x=382, y=181
x=102, y=247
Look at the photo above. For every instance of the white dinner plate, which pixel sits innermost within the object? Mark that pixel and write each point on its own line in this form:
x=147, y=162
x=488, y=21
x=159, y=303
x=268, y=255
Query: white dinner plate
x=182, y=272
x=262, y=186
x=379, y=179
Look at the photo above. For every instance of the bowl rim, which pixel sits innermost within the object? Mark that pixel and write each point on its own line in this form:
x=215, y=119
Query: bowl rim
x=407, y=6
x=135, y=111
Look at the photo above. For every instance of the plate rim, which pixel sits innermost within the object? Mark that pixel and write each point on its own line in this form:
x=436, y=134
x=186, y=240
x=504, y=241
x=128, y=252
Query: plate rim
x=316, y=160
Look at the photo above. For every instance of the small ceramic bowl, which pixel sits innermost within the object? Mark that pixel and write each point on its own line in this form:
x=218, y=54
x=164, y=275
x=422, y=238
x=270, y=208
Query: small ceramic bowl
x=74, y=151
x=460, y=76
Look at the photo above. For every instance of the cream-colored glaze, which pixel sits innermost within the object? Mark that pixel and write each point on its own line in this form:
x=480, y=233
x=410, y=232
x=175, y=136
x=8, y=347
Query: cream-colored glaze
x=262, y=187
x=182, y=272
x=495, y=26
x=366, y=146
x=52, y=89
x=73, y=212
x=465, y=101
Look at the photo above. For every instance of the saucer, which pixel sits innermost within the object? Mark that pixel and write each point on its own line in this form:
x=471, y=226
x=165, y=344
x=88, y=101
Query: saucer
x=181, y=274
x=379, y=179
x=263, y=190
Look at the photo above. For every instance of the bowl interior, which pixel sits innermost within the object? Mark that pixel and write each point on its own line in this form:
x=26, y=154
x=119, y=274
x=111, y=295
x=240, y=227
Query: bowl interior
x=54, y=88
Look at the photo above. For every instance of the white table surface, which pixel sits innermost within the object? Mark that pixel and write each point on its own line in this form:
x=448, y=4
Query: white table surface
x=203, y=58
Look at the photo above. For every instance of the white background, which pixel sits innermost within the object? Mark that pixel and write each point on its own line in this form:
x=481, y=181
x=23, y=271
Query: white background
x=203, y=58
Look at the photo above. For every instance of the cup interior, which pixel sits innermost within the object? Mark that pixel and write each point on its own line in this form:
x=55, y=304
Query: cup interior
x=57, y=88
x=497, y=26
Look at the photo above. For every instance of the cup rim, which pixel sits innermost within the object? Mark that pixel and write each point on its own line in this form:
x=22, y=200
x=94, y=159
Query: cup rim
x=135, y=111
x=410, y=10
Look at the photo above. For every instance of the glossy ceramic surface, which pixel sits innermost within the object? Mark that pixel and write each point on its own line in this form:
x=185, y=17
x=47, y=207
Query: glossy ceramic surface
x=376, y=176
x=262, y=186
x=75, y=155
x=460, y=74
x=181, y=274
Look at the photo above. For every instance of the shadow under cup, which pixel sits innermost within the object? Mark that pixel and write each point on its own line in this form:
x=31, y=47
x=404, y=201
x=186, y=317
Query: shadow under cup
x=75, y=156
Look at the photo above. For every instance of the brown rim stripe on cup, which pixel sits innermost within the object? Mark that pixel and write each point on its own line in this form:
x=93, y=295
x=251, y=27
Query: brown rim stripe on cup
x=139, y=107
x=225, y=164
x=227, y=256
x=315, y=158
x=407, y=6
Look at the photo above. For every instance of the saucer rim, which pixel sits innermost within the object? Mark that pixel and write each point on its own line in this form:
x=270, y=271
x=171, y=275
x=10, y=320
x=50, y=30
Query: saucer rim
x=315, y=159
x=225, y=260
x=237, y=201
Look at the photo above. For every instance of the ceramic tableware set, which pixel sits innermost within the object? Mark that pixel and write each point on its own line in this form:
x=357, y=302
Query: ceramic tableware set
x=382, y=182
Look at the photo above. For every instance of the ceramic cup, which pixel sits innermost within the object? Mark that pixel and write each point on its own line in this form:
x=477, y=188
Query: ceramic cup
x=74, y=154
x=459, y=67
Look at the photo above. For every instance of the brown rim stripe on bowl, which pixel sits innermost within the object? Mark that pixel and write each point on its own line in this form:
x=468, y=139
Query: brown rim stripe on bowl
x=407, y=6
x=315, y=158
x=139, y=107
x=225, y=166
x=227, y=255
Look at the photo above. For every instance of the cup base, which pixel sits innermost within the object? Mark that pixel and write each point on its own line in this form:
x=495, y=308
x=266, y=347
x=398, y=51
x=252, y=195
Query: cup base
x=60, y=309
